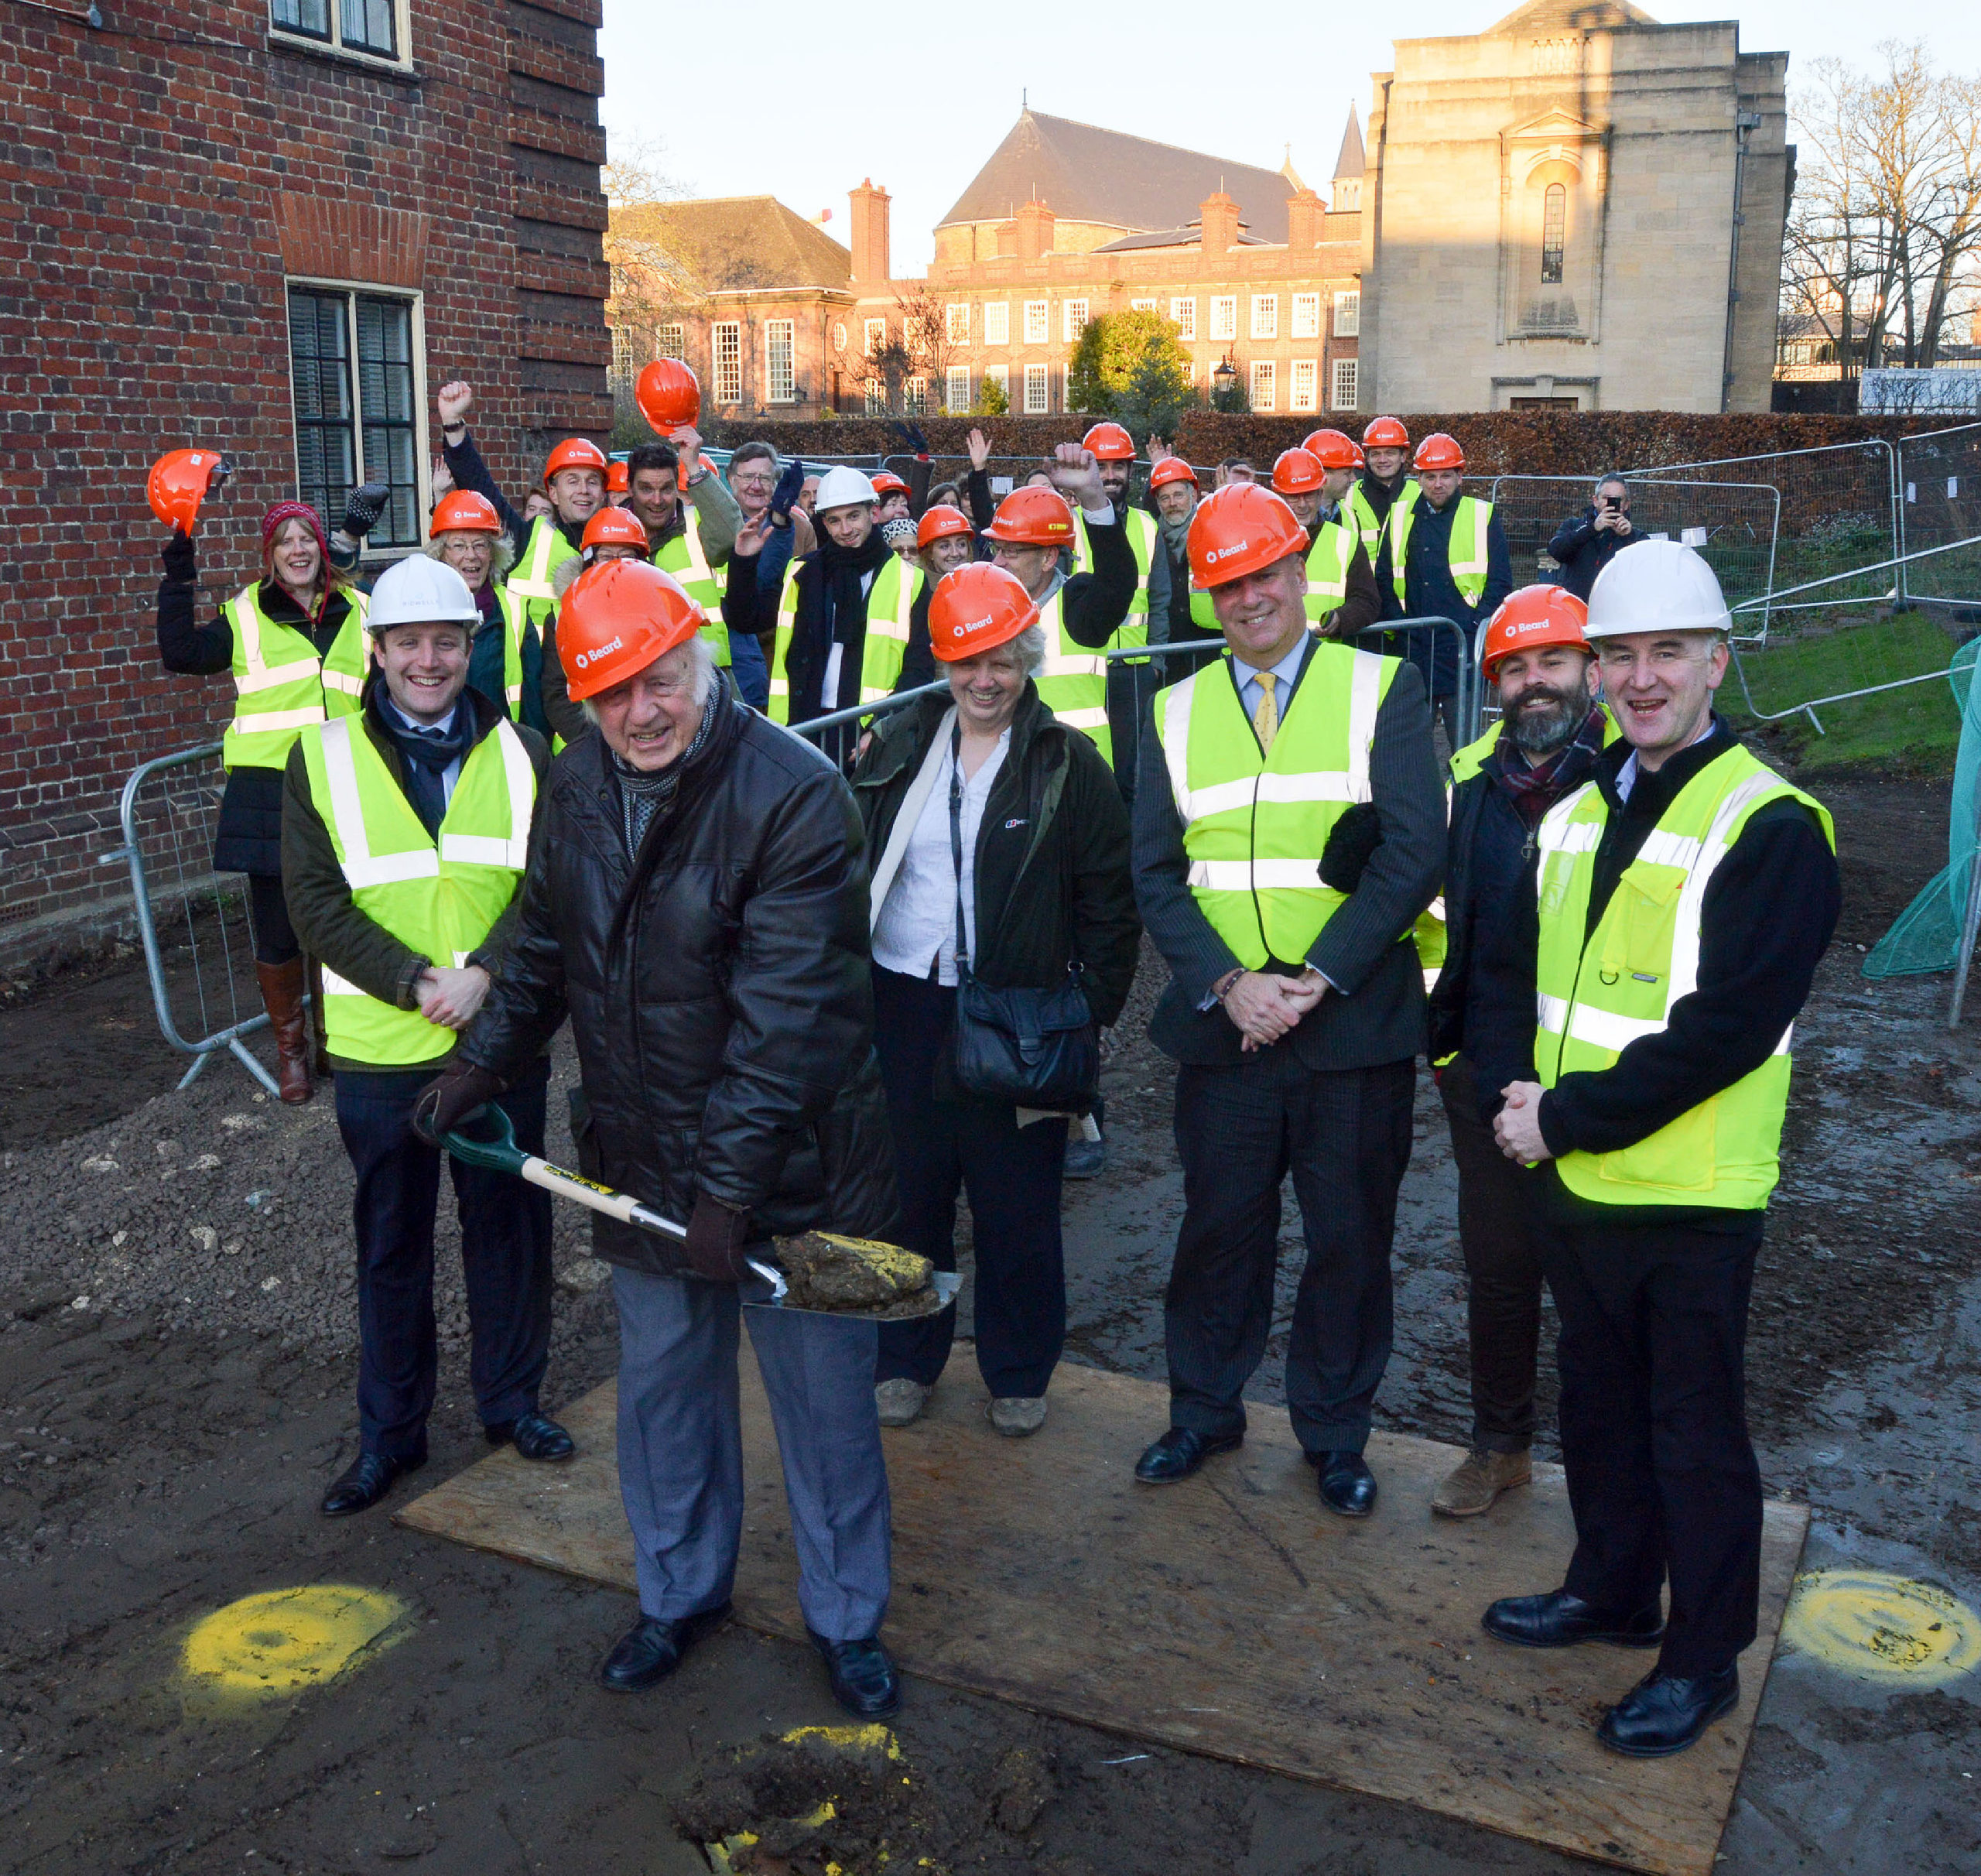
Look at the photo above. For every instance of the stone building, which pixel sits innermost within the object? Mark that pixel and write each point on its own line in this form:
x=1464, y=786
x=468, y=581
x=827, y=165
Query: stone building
x=1578, y=208
x=272, y=235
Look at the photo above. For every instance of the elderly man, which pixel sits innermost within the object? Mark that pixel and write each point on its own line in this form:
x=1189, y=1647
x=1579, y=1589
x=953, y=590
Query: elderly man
x=1295, y=1009
x=1686, y=895
x=696, y=904
x=1173, y=494
x=1342, y=597
x=403, y=833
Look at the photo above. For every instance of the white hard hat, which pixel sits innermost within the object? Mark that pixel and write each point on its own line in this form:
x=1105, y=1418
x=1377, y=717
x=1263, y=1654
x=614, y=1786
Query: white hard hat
x=1656, y=586
x=843, y=487
x=419, y=591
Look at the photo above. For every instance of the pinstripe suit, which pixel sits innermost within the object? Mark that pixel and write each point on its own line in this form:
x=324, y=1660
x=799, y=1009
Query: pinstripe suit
x=1330, y=1103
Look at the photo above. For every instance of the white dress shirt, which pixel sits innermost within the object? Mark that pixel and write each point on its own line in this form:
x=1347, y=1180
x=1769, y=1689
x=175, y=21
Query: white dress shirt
x=917, y=927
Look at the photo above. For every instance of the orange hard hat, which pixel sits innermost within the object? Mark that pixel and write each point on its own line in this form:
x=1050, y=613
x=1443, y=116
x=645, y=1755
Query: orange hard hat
x=1535, y=615
x=887, y=483
x=463, y=511
x=669, y=396
x=1108, y=442
x=617, y=619
x=1239, y=529
x=575, y=453
x=1297, y=472
x=615, y=527
x=179, y=482
x=976, y=608
x=1334, y=450
x=938, y=523
x=618, y=480
x=1438, y=451
x=1171, y=469
x=1386, y=434
x=1032, y=517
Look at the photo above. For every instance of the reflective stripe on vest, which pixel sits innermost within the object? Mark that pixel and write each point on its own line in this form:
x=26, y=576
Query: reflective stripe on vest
x=515, y=625
x=1466, y=549
x=545, y=550
x=1255, y=825
x=682, y=557
x=281, y=687
x=441, y=897
x=890, y=610
x=1594, y=998
x=1361, y=516
x=1073, y=680
x=1327, y=568
x=1143, y=535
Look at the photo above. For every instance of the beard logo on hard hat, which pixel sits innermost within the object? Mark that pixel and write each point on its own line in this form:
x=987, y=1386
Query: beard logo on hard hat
x=583, y=658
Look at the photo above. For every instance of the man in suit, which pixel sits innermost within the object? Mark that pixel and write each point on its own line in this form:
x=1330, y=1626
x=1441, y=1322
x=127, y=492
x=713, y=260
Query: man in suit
x=1296, y=1008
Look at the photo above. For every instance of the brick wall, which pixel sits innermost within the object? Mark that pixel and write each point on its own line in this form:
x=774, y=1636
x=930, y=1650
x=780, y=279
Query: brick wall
x=160, y=179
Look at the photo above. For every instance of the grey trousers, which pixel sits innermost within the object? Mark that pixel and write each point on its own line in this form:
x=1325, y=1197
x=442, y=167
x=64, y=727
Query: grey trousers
x=681, y=1451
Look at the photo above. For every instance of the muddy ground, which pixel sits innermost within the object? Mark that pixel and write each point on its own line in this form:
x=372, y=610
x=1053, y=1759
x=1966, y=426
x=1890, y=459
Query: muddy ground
x=175, y=1380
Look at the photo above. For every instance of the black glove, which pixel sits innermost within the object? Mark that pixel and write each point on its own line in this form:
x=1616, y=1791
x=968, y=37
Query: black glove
x=1355, y=837
x=364, y=506
x=784, y=498
x=450, y=1097
x=182, y=565
x=717, y=1234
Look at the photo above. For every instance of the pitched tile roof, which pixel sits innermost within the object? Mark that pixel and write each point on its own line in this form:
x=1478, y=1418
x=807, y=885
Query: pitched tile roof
x=726, y=243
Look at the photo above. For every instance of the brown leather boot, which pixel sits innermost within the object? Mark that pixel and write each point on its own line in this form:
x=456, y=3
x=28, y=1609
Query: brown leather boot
x=319, y=1037
x=281, y=991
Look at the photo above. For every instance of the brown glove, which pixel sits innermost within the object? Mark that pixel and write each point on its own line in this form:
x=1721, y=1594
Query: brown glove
x=450, y=1097
x=717, y=1236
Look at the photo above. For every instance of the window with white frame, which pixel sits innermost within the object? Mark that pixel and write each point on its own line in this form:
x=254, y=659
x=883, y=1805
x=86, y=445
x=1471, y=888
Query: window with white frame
x=955, y=318
x=1001, y=376
x=1265, y=316
x=779, y=373
x=1072, y=319
x=368, y=26
x=1345, y=396
x=1038, y=322
x=726, y=354
x=915, y=397
x=1306, y=315
x=997, y=322
x=877, y=397
x=1348, y=314
x=1183, y=317
x=354, y=373
x=1224, y=316
x=1037, y=396
x=1141, y=306
x=956, y=389
x=876, y=336
x=1304, y=392
x=623, y=367
x=670, y=341
x=1264, y=392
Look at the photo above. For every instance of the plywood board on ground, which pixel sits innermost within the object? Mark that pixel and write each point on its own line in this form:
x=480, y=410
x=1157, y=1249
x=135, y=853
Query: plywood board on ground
x=1230, y=1615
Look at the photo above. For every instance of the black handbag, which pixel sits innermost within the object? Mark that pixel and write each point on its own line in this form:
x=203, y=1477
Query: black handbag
x=1023, y=1048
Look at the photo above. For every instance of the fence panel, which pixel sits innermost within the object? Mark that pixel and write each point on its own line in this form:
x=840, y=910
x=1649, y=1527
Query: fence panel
x=1939, y=484
x=199, y=951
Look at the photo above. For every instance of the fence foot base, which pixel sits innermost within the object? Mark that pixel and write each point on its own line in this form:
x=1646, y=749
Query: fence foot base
x=247, y=1060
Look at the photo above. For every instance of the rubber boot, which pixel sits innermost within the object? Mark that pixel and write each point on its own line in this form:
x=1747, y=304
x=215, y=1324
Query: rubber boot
x=281, y=991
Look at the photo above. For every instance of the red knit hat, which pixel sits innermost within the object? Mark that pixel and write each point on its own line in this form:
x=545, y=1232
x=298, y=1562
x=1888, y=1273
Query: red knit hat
x=293, y=511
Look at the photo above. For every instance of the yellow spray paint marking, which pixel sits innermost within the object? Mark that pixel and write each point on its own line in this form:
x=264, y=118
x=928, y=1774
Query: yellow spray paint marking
x=284, y=1640
x=1883, y=1627
x=874, y=1738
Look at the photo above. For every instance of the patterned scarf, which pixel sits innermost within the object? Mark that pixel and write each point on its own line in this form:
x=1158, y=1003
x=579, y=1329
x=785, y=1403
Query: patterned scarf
x=1534, y=786
x=646, y=793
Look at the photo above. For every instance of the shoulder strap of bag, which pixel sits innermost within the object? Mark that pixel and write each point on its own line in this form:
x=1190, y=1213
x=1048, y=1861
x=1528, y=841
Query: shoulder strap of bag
x=956, y=844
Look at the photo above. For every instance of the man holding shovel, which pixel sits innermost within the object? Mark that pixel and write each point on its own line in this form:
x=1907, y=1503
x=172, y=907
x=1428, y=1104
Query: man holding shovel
x=696, y=904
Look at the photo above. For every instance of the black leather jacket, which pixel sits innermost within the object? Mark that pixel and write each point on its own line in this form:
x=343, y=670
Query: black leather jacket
x=717, y=986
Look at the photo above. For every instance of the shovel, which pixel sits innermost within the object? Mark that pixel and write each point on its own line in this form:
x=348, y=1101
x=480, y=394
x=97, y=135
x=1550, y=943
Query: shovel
x=493, y=1146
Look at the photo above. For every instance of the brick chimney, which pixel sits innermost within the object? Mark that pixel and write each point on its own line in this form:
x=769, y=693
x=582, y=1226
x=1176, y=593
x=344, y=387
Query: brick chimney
x=1035, y=222
x=1220, y=223
x=1303, y=219
x=872, y=248
x=1007, y=239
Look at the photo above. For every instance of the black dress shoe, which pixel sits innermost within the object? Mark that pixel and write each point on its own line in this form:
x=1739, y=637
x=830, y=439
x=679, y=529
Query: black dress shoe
x=651, y=1649
x=536, y=1436
x=1347, y=1485
x=1180, y=1452
x=1558, y=1620
x=863, y=1680
x=364, y=1482
x=1663, y=1713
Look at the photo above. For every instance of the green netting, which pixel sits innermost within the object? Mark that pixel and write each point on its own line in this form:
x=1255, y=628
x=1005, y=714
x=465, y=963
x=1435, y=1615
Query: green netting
x=1926, y=936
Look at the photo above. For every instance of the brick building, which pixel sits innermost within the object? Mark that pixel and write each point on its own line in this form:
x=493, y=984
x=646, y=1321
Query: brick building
x=269, y=227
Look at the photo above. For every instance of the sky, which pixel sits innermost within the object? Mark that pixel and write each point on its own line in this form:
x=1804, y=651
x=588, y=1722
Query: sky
x=803, y=102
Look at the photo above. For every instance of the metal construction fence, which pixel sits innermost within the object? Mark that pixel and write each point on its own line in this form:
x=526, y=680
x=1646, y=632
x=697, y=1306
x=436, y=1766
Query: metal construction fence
x=194, y=922
x=1939, y=483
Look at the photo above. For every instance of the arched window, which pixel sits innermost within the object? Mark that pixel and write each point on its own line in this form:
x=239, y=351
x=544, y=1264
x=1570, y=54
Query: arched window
x=1554, y=225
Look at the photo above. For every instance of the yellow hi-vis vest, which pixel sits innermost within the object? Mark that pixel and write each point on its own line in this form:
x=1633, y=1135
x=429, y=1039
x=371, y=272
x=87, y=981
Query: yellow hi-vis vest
x=1072, y=682
x=516, y=626
x=544, y=552
x=281, y=687
x=1255, y=825
x=1466, y=550
x=683, y=557
x=889, y=605
x=1595, y=999
x=1335, y=542
x=441, y=897
x=1142, y=533
x=1361, y=516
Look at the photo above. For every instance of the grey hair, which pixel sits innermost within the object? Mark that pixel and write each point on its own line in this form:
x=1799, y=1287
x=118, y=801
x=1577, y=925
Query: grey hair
x=1030, y=645
x=1603, y=481
x=502, y=554
x=702, y=665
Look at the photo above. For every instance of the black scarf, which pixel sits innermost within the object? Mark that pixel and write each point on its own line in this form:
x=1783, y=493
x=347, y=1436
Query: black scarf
x=425, y=753
x=843, y=599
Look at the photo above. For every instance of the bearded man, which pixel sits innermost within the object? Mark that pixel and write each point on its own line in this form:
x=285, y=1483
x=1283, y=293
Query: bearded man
x=1551, y=728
